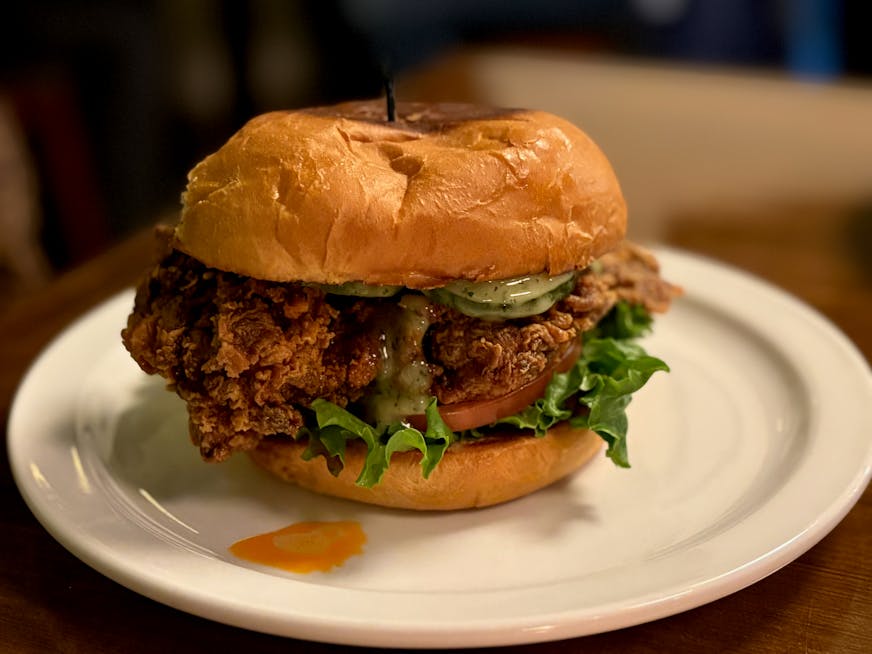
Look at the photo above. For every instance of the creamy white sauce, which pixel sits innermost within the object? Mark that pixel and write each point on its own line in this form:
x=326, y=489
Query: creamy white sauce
x=402, y=387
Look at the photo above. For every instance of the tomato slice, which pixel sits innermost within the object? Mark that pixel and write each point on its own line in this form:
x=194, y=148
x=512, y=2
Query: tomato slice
x=475, y=413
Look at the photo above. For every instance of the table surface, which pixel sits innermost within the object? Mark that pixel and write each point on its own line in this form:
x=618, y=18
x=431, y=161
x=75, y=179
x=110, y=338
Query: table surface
x=813, y=247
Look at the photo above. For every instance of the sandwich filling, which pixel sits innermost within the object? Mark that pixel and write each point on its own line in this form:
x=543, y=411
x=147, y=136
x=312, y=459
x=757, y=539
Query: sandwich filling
x=255, y=359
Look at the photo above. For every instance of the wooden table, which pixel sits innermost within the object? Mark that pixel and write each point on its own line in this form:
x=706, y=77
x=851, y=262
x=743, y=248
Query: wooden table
x=815, y=248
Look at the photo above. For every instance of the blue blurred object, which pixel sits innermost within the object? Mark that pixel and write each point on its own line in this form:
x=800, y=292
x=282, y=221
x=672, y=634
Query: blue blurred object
x=813, y=38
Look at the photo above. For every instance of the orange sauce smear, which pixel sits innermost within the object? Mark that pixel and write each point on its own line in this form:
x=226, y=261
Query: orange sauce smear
x=304, y=546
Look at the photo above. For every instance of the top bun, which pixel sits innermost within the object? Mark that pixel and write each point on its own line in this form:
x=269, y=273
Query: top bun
x=447, y=191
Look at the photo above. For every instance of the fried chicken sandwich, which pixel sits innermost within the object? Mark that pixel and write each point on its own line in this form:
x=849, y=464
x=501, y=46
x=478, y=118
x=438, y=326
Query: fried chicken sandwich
x=435, y=312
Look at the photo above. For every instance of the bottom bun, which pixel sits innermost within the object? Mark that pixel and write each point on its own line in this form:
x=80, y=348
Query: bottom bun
x=471, y=474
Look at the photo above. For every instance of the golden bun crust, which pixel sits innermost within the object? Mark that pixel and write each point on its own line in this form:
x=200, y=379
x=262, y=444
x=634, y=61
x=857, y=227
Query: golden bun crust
x=470, y=475
x=337, y=194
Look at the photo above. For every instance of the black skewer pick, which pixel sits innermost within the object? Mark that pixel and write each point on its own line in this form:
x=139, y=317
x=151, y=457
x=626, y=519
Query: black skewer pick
x=389, y=97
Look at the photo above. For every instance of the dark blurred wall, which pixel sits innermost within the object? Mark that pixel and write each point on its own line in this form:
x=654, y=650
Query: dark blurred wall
x=93, y=70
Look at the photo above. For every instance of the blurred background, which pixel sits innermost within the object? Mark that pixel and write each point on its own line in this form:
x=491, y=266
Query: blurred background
x=105, y=105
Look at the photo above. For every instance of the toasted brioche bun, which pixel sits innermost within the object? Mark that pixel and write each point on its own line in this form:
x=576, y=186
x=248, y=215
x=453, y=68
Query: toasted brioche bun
x=337, y=194
x=470, y=475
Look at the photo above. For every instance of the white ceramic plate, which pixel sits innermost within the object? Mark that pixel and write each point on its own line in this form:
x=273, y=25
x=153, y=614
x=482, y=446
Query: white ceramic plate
x=746, y=455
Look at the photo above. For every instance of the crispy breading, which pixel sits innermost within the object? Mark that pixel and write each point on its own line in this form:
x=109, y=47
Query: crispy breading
x=248, y=356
